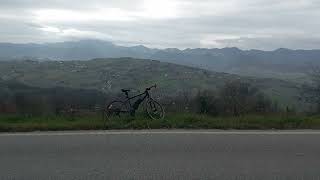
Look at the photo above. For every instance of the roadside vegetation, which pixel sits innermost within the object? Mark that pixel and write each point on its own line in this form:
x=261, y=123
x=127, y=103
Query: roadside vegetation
x=234, y=104
x=238, y=105
x=16, y=123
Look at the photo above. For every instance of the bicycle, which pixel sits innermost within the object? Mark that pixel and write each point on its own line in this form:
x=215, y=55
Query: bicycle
x=119, y=108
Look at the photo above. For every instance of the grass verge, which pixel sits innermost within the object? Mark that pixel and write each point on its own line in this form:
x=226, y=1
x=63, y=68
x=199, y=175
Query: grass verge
x=15, y=123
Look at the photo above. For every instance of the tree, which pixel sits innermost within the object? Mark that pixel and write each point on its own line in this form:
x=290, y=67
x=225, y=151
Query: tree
x=238, y=97
x=208, y=103
x=310, y=92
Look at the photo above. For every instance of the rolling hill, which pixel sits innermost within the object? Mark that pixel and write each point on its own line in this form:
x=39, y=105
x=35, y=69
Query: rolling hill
x=110, y=75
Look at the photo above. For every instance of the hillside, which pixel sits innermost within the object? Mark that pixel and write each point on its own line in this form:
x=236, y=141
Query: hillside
x=110, y=75
x=282, y=63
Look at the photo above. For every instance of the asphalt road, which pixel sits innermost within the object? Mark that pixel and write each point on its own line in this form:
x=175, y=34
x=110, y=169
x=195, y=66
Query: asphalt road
x=161, y=155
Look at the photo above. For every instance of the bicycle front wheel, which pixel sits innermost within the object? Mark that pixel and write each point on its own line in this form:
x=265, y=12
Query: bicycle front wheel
x=154, y=109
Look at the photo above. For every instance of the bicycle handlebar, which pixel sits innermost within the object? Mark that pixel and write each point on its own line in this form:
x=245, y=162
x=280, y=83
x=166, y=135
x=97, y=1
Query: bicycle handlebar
x=149, y=88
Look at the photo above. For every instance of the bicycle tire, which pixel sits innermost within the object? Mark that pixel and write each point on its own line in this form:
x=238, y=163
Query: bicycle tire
x=115, y=109
x=154, y=109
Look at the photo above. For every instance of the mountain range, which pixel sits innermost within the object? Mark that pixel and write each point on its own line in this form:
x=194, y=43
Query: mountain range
x=281, y=63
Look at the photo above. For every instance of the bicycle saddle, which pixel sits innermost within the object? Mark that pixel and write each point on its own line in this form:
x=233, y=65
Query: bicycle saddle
x=125, y=90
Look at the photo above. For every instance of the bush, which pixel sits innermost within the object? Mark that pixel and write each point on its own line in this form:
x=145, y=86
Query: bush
x=235, y=98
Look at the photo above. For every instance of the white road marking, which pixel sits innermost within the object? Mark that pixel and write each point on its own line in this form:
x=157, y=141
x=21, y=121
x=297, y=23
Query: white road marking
x=145, y=132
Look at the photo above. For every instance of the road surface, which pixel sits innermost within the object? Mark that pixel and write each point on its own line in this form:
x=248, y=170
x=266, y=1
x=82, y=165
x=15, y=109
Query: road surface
x=161, y=155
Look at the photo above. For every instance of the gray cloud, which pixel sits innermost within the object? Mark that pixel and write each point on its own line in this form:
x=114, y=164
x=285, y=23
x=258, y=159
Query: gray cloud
x=257, y=24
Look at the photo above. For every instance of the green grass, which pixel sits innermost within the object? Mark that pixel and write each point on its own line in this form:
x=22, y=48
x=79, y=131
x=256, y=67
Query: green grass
x=14, y=123
x=195, y=121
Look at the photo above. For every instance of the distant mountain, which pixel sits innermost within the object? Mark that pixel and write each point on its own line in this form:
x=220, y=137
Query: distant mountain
x=281, y=63
x=78, y=50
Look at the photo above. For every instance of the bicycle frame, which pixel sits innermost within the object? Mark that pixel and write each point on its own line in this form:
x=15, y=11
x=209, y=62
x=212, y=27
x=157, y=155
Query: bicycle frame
x=128, y=99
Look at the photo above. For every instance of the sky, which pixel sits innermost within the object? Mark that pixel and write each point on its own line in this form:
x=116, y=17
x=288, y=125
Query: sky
x=246, y=24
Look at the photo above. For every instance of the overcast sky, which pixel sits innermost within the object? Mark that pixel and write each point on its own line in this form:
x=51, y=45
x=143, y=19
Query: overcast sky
x=247, y=24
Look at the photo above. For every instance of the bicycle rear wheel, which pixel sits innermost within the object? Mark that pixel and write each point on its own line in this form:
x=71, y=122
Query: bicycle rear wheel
x=154, y=109
x=115, y=109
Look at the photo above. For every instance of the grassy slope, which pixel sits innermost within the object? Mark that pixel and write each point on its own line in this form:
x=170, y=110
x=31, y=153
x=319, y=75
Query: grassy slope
x=133, y=73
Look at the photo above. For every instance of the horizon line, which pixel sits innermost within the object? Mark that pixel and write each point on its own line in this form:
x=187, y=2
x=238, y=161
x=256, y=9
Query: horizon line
x=146, y=46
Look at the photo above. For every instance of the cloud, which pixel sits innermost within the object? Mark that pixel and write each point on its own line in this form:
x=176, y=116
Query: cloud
x=74, y=33
x=57, y=15
x=262, y=24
